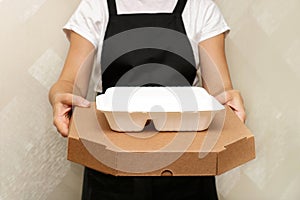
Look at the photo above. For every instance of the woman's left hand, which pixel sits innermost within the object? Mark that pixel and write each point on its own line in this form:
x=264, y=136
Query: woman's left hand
x=234, y=100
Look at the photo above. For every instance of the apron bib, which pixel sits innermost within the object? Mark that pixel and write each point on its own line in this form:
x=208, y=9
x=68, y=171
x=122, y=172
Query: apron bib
x=147, y=50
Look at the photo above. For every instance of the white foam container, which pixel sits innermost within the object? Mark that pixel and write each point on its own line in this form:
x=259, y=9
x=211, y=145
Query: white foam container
x=127, y=109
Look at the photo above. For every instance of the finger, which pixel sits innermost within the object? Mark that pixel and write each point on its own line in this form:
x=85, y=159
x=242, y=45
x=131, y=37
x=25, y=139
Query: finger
x=239, y=109
x=241, y=116
x=237, y=106
x=60, y=115
x=62, y=125
x=80, y=101
x=61, y=118
x=70, y=99
x=234, y=100
x=61, y=110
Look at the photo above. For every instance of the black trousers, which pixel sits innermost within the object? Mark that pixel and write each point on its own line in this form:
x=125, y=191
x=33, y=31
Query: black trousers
x=100, y=186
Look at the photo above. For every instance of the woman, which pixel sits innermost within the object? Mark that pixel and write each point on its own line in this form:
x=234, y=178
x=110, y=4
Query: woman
x=124, y=35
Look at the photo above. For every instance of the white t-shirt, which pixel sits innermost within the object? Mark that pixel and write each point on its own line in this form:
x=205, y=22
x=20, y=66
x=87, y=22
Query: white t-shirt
x=202, y=20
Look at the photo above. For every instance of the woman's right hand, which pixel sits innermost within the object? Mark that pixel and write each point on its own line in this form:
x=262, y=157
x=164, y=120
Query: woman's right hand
x=74, y=77
x=62, y=105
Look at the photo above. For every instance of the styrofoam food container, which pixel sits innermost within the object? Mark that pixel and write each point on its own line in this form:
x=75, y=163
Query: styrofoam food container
x=127, y=109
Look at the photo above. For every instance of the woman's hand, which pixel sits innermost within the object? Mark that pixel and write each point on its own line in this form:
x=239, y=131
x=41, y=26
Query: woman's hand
x=234, y=100
x=74, y=79
x=62, y=106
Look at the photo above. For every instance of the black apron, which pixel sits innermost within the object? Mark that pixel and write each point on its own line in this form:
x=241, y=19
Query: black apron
x=146, y=50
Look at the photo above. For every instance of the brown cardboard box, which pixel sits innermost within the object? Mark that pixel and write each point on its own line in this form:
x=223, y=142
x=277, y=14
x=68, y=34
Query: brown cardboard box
x=226, y=144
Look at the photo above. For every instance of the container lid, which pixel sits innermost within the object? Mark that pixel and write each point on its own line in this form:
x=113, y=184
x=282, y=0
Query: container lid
x=157, y=99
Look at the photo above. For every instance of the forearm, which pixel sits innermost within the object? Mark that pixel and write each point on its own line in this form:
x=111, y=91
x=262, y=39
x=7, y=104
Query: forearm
x=75, y=76
x=218, y=84
x=216, y=77
x=214, y=69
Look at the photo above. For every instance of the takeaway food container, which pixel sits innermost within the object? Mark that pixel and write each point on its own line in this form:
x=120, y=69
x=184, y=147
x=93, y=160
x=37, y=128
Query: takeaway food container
x=127, y=109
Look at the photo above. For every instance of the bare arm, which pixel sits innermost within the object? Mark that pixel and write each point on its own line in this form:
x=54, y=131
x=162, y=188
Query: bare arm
x=72, y=85
x=215, y=74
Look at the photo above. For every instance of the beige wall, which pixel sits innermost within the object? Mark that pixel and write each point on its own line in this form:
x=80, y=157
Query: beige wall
x=263, y=52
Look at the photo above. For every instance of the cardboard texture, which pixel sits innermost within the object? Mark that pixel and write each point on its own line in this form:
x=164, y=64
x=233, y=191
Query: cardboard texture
x=226, y=144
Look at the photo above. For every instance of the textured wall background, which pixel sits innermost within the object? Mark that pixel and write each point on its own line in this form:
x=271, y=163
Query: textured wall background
x=263, y=52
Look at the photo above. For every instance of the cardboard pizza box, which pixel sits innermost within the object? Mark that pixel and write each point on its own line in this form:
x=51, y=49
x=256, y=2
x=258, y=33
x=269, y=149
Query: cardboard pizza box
x=226, y=144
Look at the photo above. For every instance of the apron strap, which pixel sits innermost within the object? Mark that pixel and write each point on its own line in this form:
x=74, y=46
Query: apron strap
x=112, y=8
x=179, y=7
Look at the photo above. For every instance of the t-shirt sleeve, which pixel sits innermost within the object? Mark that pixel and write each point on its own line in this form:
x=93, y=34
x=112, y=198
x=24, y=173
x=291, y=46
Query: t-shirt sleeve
x=211, y=21
x=85, y=21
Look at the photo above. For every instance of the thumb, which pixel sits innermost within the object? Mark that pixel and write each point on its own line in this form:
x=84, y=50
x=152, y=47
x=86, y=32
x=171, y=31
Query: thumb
x=75, y=100
x=80, y=101
x=222, y=97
